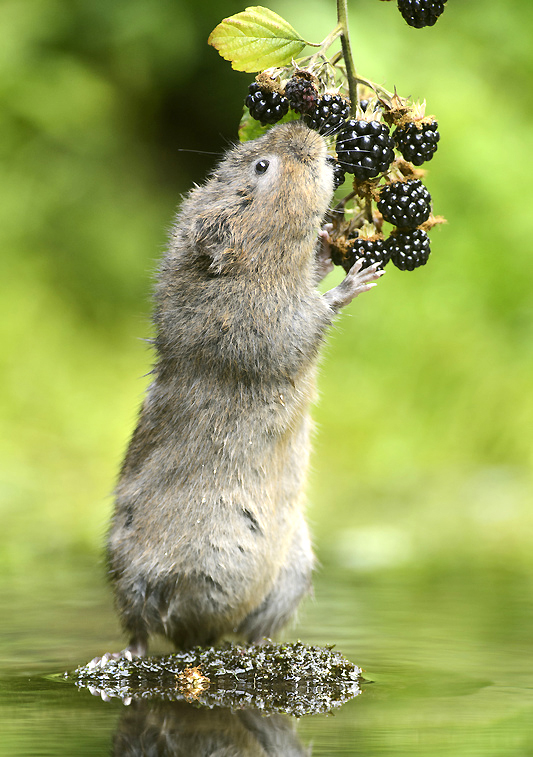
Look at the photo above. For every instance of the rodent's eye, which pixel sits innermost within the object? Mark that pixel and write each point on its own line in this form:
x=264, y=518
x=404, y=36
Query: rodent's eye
x=262, y=166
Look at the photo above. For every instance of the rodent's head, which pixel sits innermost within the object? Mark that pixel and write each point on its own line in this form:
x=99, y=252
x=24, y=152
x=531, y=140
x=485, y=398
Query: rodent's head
x=284, y=177
x=267, y=197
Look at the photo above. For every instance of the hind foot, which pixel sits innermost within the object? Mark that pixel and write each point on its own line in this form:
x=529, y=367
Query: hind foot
x=135, y=649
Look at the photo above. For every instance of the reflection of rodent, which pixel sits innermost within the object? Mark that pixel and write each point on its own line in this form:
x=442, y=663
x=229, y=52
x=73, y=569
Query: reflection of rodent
x=208, y=535
x=177, y=729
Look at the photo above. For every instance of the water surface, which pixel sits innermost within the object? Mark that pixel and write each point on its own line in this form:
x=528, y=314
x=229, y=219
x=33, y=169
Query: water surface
x=447, y=655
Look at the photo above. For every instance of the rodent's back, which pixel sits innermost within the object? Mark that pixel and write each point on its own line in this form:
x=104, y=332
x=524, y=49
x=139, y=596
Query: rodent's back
x=212, y=482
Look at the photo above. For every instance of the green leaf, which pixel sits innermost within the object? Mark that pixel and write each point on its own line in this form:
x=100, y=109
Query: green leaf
x=255, y=39
x=249, y=128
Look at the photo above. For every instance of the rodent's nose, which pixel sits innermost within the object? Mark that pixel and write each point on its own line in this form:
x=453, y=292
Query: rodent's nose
x=304, y=153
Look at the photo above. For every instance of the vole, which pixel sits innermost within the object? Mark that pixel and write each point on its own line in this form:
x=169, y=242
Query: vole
x=208, y=536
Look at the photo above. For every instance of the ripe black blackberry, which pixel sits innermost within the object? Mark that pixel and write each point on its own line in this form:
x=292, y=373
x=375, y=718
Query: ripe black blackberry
x=406, y=204
x=339, y=174
x=372, y=251
x=266, y=106
x=329, y=115
x=302, y=94
x=417, y=143
x=408, y=249
x=419, y=13
x=365, y=148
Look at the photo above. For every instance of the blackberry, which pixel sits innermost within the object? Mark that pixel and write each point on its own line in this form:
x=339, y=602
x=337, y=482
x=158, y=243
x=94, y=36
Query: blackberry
x=265, y=106
x=417, y=143
x=339, y=174
x=405, y=204
x=370, y=250
x=301, y=93
x=419, y=13
x=408, y=249
x=330, y=114
x=365, y=148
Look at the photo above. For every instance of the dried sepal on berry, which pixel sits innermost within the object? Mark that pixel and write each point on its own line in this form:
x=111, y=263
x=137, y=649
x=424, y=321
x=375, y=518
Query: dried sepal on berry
x=403, y=169
x=431, y=222
x=396, y=110
x=270, y=80
x=367, y=189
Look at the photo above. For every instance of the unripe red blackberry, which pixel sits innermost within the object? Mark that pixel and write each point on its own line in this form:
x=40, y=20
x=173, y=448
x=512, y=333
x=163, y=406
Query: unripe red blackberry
x=371, y=251
x=266, y=106
x=302, y=94
x=329, y=115
x=417, y=142
x=339, y=175
x=365, y=148
x=406, y=204
x=408, y=249
x=419, y=13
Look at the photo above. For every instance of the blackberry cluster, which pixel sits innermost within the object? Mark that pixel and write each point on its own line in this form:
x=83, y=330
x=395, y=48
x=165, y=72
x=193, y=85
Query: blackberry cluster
x=302, y=94
x=405, y=204
x=329, y=115
x=339, y=175
x=417, y=143
x=365, y=148
x=408, y=249
x=265, y=106
x=419, y=13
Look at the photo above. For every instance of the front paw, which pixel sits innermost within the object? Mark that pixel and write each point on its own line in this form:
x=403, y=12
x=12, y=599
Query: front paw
x=357, y=280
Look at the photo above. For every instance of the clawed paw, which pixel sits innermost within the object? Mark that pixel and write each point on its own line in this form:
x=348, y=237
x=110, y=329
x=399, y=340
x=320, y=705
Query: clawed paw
x=101, y=662
x=357, y=280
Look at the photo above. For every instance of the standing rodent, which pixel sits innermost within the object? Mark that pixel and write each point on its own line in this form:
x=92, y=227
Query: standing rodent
x=208, y=536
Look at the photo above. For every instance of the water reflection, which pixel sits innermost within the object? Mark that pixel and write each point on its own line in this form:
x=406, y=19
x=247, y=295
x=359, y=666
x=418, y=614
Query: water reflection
x=162, y=729
x=450, y=655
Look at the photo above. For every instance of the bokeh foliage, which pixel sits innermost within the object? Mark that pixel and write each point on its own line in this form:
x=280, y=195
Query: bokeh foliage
x=424, y=443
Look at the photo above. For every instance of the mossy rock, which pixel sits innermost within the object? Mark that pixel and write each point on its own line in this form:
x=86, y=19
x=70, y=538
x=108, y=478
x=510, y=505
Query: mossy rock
x=291, y=678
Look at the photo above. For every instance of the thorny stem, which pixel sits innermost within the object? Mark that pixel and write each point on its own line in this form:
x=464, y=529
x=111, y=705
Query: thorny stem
x=351, y=73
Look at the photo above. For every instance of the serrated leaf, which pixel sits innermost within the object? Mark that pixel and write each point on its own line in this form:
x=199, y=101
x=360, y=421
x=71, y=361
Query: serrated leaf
x=255, y=39
x=249, y=128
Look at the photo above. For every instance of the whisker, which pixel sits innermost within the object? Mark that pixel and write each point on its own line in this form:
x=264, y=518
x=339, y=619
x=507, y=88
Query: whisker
x=200, y=152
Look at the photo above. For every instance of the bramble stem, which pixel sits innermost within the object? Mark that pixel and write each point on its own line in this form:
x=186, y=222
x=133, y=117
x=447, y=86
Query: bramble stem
x=351, y=73
x=330, y=39
x=325, y=45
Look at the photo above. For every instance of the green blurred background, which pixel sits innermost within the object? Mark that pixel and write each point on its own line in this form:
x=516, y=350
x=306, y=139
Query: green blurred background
x=423, y=453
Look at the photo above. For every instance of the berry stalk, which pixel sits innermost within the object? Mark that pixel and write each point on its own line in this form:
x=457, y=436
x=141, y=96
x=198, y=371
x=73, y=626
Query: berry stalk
x=326, y=44
x=351, y=73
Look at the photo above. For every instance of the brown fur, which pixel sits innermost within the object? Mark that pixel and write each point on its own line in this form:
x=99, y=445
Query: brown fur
x=208, y=536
